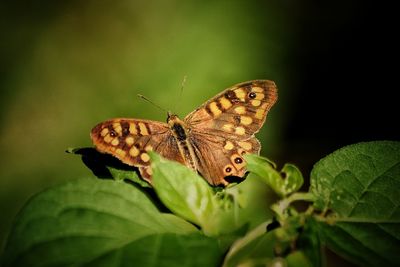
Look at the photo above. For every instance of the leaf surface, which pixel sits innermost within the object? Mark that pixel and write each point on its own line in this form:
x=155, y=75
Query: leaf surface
x=89, y=220
x=359, y=187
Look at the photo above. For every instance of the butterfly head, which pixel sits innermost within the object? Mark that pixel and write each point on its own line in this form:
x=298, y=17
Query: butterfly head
x=173, y=118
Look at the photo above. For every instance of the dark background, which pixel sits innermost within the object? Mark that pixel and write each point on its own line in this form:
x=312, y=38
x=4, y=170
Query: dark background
x=65, y=66
x=343, y=63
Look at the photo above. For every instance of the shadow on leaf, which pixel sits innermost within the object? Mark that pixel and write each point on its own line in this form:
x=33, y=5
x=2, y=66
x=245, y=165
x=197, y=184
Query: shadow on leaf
x=100, y=163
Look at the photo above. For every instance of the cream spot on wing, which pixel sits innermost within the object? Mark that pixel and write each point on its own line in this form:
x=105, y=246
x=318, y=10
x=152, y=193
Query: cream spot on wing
x=134, y=152
x=104, y=132
x=245, y=120
x=117, y=127
x=129, y=140
x=255, y=103
x=259, y=96
x=132, y=128
x=214, y=109
x=108, y=139
x=148, y=148
x=245, y=145
x=257, y=89
x=149, y=171
x=115, y=142
x=225, y=103
x=227, y=127
x=240, y=130
x=265, y=105
x=120, y=152
x=240, y=110
x=240, y=93
x=145, y=157
x=259, y=114
x=143, y=129
x=228, y=145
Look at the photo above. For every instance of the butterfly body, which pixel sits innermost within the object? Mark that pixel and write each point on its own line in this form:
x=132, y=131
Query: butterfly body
x=210, y=140
x=181, y=134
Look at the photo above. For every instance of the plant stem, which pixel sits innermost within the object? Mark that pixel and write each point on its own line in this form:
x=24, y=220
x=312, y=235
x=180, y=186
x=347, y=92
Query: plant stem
x=283, y=204
x=300, y=196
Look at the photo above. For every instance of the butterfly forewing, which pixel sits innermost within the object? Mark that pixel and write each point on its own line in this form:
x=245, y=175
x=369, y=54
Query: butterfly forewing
x=237, y=112
x=129, y=140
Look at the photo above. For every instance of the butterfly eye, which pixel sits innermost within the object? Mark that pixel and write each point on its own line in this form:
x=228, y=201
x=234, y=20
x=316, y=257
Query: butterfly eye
x=238, y=160
x=252, y=95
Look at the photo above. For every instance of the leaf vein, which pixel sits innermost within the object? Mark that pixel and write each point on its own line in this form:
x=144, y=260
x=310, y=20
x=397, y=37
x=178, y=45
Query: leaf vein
x=366, y=188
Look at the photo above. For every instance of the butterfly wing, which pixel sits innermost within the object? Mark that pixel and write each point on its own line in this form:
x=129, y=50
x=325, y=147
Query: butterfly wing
x=237, y=112
x=223, y=128
x=219, y=158
x=130, y=139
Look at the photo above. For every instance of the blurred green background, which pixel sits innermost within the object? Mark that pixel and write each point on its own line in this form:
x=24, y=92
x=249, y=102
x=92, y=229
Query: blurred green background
x=72, y=64
x=67, y=65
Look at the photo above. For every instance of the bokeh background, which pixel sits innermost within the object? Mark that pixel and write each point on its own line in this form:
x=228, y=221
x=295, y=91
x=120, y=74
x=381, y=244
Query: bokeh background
x=67, y=65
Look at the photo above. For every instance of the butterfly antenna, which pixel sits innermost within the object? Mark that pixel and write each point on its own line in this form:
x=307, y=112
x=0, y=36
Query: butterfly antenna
x=180, y=93
x=151, y=102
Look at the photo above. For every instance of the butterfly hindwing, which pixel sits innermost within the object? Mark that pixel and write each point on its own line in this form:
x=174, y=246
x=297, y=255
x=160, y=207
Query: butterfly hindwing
x=219, y=158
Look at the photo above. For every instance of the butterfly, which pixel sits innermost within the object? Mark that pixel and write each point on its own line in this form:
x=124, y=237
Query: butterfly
x=210, y=140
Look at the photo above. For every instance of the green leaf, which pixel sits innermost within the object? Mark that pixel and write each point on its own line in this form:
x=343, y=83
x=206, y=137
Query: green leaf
x=266, y=170
x=246, y=203
x=257, y=245
x=183, y=191
x=227, y=213
x=358, y=186
x=293, y=178
x=298, y=259
x=309, y=244
x=292, y=244
x=122, y=175
x=164, y=250
x=85, y=220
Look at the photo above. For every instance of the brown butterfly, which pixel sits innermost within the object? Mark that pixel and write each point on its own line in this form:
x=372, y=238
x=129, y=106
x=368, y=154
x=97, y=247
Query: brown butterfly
x=210, y=140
